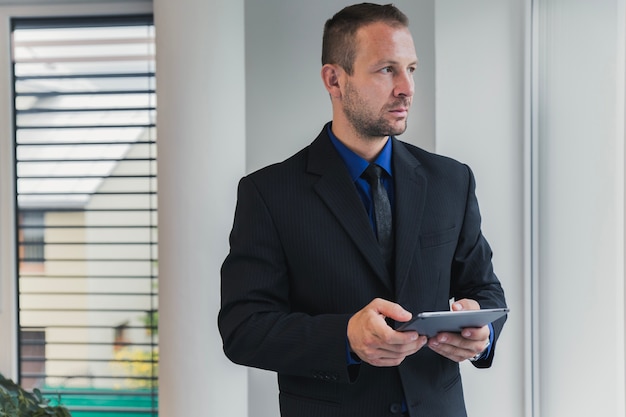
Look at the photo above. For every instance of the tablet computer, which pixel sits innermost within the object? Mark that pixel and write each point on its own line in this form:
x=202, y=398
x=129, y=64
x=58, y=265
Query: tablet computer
x=433, y=322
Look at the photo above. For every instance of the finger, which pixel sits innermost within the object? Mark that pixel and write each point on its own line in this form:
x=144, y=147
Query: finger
x=385, y=362
x=476, y=333
x=401, y=343
x=450, y=351
x=391, y=355
x=456, y=340
x=449, y=339
x=455, y=347
x=465, y=304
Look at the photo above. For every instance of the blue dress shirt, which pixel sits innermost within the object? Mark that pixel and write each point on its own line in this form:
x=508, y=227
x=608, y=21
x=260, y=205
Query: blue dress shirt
x=356, y=165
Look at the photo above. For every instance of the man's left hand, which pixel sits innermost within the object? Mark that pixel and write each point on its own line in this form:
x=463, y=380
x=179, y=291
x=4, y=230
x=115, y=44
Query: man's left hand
x=469, y=343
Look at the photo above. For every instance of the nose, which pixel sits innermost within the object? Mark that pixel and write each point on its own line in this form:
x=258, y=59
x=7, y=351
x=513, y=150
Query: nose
x=405, y=85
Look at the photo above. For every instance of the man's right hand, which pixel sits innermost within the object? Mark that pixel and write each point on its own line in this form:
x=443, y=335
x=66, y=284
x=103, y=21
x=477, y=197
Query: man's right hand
x=374, y=342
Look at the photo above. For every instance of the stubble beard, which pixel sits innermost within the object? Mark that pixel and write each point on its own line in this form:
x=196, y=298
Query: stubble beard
x=367, y=124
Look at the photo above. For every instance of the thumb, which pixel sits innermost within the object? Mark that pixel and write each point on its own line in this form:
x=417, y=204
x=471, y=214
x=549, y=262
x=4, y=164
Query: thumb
x=392, y=310
x=465, y=304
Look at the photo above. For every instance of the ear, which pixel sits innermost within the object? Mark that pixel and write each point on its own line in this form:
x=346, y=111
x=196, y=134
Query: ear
x=331, y=75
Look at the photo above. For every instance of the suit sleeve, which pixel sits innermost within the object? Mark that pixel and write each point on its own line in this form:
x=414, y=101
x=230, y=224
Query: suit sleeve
x=472, y=271
x=257, y=325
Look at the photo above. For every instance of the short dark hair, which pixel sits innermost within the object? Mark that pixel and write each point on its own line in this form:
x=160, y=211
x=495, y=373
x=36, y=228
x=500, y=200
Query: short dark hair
x=338, y=43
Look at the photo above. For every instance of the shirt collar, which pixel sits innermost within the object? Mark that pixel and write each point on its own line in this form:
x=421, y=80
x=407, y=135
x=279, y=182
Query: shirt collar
x=355, y=164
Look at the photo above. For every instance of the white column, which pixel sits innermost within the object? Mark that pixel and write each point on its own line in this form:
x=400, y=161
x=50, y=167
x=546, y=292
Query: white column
x=8, y=316
x=201, y=137
x=580, y=125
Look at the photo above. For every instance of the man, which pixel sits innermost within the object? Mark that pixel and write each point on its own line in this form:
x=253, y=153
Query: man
x=315, y=281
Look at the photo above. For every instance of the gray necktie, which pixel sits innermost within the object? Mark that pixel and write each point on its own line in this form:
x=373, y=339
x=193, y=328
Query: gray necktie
x=382, y=212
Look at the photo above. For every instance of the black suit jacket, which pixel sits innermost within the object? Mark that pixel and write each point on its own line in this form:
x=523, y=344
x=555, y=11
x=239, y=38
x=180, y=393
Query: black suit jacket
x=304, y=258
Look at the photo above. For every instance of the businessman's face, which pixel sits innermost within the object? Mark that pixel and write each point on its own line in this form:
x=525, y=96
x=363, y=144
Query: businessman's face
x=377, y=96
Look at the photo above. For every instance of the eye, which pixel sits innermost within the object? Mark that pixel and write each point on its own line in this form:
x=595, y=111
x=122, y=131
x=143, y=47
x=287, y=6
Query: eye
x=387, y=70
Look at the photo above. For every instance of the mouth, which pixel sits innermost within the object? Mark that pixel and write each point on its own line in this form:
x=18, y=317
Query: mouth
x=400, y=111
x=400, y=108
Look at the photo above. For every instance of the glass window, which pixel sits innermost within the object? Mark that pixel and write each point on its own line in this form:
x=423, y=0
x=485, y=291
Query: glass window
x=86, y=181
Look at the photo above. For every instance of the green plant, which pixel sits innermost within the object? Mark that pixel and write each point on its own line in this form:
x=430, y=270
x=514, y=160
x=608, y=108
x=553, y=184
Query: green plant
x=17, y=402
x=151, y=322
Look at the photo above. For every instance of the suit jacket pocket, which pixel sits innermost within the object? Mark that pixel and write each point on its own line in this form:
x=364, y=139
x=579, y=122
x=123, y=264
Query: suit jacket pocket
x=440, y=238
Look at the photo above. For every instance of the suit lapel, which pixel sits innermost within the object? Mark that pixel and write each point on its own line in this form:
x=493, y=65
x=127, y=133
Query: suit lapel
x=410, y=196
x=336, y=189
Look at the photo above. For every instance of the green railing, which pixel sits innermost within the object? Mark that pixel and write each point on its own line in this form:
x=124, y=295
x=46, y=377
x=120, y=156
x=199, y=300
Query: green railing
x=91, y=402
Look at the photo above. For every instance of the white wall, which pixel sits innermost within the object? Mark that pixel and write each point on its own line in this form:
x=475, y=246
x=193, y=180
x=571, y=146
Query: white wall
x=580, y=165
x=480, y=50
x=550, y=172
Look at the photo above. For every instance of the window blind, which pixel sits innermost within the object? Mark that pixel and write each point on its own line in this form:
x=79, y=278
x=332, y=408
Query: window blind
x=86, y=186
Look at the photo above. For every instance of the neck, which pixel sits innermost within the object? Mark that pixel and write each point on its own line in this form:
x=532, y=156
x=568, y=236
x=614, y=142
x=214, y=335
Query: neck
x=367, y=148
